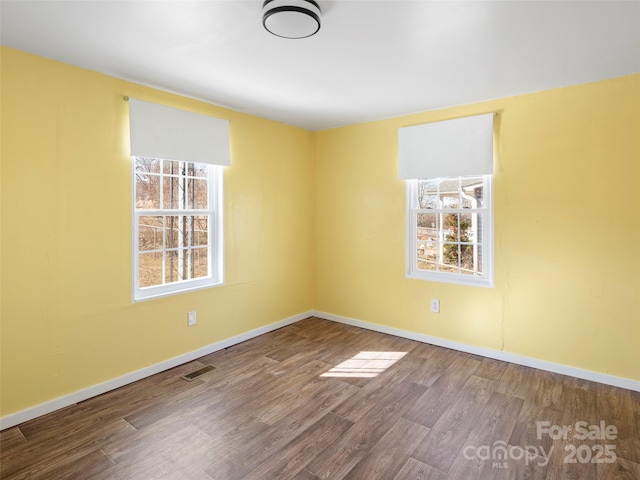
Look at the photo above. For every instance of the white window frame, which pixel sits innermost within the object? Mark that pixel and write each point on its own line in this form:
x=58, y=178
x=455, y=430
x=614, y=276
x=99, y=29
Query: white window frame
x=215, y=237
x=411, y=255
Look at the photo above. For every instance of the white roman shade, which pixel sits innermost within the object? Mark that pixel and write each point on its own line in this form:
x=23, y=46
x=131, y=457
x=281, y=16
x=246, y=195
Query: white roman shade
x=159, y=131
x=450, y=148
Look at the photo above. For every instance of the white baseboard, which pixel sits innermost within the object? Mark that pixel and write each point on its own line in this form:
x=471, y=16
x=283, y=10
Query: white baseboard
x=56, y=404
x=95, y=390
x=487, y=352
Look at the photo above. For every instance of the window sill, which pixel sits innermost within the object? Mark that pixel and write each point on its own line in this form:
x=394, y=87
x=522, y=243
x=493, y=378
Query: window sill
x=452, y=278
x=152, y=293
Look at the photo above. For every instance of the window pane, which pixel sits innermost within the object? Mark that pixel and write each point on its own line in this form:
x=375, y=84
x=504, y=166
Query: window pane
x=451, y=200
x=198, y=194
x=450, y=193
x=197, y=170
x=173, y=190
x=473, y=192
x=177, y=265
x=188, y=225
x=450, y=227
x=171, y=167
x=200, y=231
x=150, y=269
x=450, y=256
x=471, y=259
x=427, y=254
x=200, y=263
x=467, y=228
x=427, y=194
x=466, y=258
x=427, y=226
x=188, y=169
x=171, y=271
x=187, y=230
x=147, y=165
x=175, y=231
x=147, y=190
x=150, y=233
x=200, y=170
x=426, y=265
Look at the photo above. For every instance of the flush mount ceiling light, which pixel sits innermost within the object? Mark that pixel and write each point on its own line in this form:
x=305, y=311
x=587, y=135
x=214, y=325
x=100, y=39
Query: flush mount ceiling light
x=291, y=18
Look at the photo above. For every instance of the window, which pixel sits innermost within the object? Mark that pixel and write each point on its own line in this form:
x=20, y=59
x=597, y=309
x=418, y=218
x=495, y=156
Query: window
x=177, y=226
x=178, y=157
x=449, y=230
x=448, y=166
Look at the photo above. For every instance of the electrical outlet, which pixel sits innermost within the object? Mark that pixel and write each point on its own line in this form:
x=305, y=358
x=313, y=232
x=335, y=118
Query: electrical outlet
x=191, y=319
x=435, y=305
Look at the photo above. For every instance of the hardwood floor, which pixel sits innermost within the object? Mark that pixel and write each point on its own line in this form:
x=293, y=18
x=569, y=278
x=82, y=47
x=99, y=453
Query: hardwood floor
x=322, y=400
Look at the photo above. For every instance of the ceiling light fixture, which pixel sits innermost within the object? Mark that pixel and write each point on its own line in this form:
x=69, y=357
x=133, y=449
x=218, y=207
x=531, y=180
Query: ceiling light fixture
x=291, y=18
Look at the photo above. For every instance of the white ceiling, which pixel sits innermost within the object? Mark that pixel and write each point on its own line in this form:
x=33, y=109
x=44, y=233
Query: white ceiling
x=370, y=60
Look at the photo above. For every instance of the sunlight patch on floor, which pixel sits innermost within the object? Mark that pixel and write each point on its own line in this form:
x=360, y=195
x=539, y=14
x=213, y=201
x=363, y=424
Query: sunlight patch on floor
x=365, y=365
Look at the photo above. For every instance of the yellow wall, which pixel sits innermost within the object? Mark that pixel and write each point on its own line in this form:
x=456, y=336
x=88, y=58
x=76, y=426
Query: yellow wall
x=67, y=318
x=567, y=223
x=567, y=229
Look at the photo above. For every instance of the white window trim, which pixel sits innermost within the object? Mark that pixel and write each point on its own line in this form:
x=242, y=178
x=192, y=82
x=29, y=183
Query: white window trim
x=216, y=254
x=411, y=260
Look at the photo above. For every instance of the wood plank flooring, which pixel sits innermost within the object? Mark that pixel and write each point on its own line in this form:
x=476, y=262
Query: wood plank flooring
x=321, y=400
